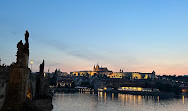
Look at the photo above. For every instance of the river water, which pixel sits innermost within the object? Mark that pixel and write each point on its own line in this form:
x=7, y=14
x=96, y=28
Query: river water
x=116, y=102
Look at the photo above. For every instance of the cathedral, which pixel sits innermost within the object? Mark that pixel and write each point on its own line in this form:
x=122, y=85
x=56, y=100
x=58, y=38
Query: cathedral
x=97, y=71
x=103, y=71
x=100, y=69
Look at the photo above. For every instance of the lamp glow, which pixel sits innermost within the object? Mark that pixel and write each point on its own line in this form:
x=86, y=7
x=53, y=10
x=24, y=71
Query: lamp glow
x=31, y=62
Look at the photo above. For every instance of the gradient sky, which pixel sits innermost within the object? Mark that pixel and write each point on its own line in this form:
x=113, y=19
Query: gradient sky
x=73, y=35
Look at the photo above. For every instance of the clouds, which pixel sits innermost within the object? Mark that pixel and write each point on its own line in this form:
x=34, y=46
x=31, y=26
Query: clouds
x=137, y=35
x=80, y=51
x=14, y=32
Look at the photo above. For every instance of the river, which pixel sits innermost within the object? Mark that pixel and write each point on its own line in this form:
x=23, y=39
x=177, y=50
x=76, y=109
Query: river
x=116, y=102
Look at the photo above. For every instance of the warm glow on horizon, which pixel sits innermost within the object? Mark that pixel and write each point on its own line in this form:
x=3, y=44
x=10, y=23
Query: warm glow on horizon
x=160, y=70
x=133, y=36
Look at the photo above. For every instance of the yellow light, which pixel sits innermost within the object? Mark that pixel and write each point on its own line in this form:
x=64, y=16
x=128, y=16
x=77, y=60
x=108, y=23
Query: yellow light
x=31, y=61
x=139, y=89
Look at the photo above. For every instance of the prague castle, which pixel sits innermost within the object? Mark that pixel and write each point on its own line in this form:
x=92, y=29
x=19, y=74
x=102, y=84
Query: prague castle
x=103, y=71
x=97, y=71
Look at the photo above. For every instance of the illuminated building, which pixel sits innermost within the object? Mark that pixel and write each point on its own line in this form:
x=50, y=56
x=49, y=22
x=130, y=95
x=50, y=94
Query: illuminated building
x=96, y=71
x=185, y=90
x=138, y=89
x=132, y=75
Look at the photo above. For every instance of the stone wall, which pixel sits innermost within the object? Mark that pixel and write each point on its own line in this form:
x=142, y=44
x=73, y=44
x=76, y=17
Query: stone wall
x=18, y=72
x=16, y=94
x=32, y=85
x=4, y=75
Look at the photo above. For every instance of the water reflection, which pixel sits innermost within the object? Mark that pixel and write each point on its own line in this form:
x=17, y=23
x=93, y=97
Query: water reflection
x=124, y=98
x=102, y=101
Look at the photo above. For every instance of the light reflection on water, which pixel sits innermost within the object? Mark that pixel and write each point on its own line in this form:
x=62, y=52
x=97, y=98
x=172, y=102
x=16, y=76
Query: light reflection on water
x=116, y=102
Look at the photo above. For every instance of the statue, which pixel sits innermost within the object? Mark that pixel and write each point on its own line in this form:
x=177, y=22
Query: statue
x=20, y=48
x=26, y=46
x=42, y=68
x=26, y=36
x=23, y=51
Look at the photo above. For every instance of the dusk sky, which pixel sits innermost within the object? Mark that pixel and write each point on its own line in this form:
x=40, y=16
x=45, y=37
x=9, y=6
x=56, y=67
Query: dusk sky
x=73, y=35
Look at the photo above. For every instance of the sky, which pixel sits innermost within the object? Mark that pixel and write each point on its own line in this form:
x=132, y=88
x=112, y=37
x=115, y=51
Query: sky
x=73, y=35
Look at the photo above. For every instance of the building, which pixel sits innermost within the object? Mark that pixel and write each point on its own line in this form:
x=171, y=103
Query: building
x=138, y=89
x=97, y=71
x=59, y=73
x=185, y=90
x=132, y=75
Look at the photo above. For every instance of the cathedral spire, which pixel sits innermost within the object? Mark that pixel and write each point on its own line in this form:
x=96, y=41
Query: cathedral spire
x=94, y=67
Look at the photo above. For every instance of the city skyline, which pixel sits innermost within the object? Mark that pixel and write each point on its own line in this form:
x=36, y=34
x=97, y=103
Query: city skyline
x=137, y=36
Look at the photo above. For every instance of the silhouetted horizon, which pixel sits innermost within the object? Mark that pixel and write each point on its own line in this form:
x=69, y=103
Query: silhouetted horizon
x=136, y=36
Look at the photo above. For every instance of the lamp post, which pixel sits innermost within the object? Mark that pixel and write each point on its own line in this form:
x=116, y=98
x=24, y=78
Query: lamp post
x=31, y=62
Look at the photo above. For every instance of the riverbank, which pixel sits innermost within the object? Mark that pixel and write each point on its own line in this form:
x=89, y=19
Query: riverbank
x=161, y=94
x=38, y=105
x=44, y=103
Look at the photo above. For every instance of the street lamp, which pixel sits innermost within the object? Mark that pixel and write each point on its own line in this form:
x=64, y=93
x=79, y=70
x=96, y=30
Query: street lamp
x=31, y=62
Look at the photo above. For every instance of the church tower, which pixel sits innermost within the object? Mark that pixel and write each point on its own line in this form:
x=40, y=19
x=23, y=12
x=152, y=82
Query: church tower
x=94, y=68
x=97, y=68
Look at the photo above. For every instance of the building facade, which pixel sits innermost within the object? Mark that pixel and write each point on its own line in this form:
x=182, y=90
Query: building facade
x=97, y=71
x=132, y=75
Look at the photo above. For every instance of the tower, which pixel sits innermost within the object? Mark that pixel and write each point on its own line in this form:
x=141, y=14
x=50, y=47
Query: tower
x=153, y=72
x=18, y=77
x=97, y=68
x=94, y=68
x=23, y=52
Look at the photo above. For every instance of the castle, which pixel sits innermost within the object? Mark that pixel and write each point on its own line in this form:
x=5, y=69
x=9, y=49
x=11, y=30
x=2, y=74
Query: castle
x=100, y=69
x=103, y=71
x=97, y=71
